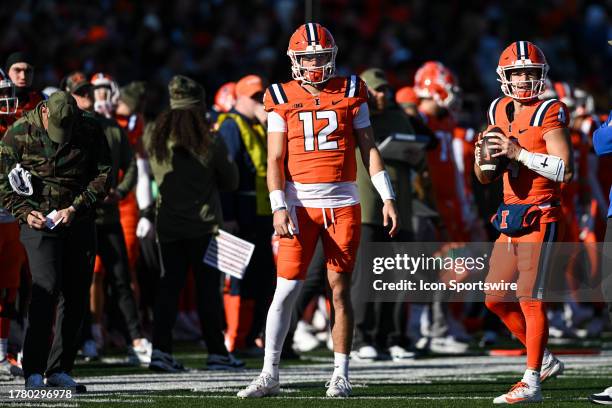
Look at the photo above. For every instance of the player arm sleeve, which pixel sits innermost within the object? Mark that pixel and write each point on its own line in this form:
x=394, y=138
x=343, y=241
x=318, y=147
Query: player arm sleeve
x=276, y=123
x=362, y=117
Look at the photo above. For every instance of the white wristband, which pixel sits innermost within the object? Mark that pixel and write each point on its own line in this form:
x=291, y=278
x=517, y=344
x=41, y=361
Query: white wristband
x=277, y=200
x=382, y=183
x=546, y=165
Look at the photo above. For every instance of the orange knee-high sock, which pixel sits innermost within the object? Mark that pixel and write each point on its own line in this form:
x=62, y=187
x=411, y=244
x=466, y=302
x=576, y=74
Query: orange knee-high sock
x=511, y=314
x=537, y=331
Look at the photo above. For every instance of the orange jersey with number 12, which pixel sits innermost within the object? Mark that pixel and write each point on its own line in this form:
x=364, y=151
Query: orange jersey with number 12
x=320, y=133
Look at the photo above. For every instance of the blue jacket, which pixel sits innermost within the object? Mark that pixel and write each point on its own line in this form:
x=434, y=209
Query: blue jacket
x=602, y=142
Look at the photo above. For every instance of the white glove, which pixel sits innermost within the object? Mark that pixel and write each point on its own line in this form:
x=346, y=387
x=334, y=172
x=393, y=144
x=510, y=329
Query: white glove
x=144, y=229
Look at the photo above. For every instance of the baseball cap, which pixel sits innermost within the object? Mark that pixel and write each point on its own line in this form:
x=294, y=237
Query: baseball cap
x=75, y=81
x=249, y=86
x=374, y=78
x=184, y=92
x=406, y=96
x=63, y=111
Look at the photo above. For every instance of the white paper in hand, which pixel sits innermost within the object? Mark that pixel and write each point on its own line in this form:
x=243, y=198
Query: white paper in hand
x=229, y=254
x=49, y=220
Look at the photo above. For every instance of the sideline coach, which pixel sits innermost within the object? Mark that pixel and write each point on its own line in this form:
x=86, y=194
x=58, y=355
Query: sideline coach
x=55, y=158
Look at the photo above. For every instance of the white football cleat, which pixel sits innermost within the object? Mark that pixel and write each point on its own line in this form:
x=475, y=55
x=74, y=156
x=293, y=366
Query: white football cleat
x=398, y=353
x=520, y=393
x=339, y=387
x=447, y=345
x=365, y=353
x=603, y=398
x=551, y=368
x=263, y=386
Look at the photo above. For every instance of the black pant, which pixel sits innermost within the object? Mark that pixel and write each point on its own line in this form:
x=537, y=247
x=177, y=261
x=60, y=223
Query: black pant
x=113, y=253
x=61, y=263
x=606, y=269
x=177, y=257
x=378, y=324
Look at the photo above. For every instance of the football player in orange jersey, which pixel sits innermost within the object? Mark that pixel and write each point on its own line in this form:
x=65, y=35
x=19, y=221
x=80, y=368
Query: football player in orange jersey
x=437, y=90
x=314, y=124
x=536, y=140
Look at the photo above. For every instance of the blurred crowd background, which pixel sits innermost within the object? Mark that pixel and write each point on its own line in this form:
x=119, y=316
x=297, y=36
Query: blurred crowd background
x=216, y=41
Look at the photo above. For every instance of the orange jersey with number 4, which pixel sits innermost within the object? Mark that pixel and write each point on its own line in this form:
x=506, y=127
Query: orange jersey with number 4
x=321, y=143
x=522, y=185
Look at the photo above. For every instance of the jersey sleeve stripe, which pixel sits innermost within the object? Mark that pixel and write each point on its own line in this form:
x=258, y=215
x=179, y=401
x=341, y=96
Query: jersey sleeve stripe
x=278, y=94
x=492, y=110
x=272, y=92
x=538, y=116
x=283, y=94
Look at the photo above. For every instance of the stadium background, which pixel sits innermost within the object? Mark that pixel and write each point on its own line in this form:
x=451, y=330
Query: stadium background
x=216, y=41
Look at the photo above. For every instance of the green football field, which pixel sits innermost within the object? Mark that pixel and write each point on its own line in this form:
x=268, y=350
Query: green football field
x=441, y=381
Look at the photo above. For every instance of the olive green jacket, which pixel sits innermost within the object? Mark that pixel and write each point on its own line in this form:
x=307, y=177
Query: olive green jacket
x=188, y=205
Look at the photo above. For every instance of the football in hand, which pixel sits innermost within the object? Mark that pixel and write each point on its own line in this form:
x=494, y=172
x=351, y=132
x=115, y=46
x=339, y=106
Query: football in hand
x=491, y=167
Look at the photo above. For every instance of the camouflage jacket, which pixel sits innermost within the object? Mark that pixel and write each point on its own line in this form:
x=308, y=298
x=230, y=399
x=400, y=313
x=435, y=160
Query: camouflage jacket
x=74, y=173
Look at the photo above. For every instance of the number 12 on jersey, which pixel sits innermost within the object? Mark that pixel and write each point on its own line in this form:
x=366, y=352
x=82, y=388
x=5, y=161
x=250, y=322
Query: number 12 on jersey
x=308, y=123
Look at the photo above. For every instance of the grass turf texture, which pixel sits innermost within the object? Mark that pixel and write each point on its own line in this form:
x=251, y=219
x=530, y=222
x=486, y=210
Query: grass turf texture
x=425, y=382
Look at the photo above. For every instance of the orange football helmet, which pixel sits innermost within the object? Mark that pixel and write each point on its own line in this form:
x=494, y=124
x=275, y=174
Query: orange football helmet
x=312, y=40
x=522, y=55
x=434, y=80
x=225, y=98
x=8, y=100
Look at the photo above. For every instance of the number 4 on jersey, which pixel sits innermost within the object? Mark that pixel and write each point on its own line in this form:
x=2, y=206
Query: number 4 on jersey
x=308, y=122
